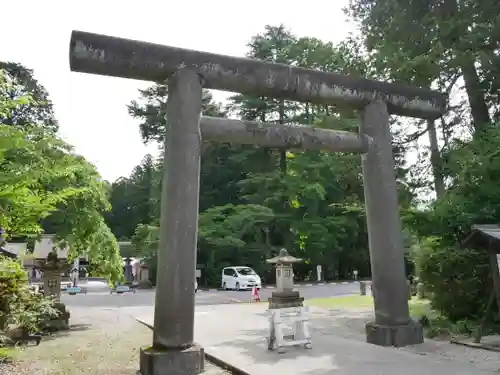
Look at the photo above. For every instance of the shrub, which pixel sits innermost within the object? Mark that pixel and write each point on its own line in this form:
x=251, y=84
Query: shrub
x=21, y=310
x=458, y=281
x=6, y=354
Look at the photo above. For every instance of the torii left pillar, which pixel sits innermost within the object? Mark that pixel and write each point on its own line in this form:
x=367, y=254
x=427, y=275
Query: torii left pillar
x=173, y=351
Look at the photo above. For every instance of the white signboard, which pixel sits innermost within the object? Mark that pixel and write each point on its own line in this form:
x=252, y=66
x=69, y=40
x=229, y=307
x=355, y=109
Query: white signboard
x=318, y=271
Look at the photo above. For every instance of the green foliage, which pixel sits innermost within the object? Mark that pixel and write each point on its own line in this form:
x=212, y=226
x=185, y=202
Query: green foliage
x=135, y=198
x=47, y=187
x=473, y=196
x=458, y=280
x=151, y=110
x=256, y=200
x=445, y=45
x=19, y=306
x=28, y=165
x=229, y=225
x=145, y=240
x=38, y=111
x=6, y=354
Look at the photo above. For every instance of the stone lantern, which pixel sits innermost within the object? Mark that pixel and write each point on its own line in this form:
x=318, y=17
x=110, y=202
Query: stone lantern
x=128, y=272
x=52, y=270
x=284, y=296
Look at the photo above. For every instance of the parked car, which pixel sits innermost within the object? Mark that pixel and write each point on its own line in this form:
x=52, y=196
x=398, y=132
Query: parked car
x=240, y=277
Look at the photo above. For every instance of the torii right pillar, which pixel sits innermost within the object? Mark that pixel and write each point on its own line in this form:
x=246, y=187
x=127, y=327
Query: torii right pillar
x=393, y=325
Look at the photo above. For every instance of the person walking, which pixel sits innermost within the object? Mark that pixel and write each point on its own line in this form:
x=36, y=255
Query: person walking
x=255, y=294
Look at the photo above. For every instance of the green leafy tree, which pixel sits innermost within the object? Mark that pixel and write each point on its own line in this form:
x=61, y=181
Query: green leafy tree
x=136, y=199
x=21, y=83
x=46, y=186
x=151, y=110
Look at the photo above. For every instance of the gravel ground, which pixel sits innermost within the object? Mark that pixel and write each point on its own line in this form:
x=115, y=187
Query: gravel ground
x=101, y=342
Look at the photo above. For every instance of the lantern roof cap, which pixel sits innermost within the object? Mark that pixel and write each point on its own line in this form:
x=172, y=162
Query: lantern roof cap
x=284, y=258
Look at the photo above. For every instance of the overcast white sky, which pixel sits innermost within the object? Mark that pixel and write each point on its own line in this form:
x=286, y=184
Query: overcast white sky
x=92, y=109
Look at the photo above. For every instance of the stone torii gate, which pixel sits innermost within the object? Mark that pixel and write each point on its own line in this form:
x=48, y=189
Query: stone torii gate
x=173, y=350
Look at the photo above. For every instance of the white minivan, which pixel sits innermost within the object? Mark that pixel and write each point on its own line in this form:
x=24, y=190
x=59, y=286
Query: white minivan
x=240, y=277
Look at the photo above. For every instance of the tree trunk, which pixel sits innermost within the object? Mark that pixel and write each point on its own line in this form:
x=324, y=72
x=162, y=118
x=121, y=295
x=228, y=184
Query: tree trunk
x=436, y=162
x=479, y=109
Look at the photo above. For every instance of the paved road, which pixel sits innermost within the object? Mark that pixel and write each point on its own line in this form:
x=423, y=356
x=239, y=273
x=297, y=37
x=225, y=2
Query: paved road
x=100, y=297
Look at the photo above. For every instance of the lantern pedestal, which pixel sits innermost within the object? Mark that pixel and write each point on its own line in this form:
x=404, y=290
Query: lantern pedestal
x=52, y=288
x=286, y=308
x=282, y=300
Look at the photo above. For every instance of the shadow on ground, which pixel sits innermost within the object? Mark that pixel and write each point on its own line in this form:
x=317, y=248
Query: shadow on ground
x=72, y=329
x=339, y=346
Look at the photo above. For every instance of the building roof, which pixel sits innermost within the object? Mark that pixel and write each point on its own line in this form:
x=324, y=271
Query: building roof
x=484, y=235
x=7, y=253
x=491, y=230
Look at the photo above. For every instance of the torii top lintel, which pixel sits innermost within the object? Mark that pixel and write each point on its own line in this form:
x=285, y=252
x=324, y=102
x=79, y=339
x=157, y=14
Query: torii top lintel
x=118, y=57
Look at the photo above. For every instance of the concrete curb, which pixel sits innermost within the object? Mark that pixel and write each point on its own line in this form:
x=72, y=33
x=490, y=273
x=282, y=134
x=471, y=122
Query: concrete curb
x=226, y=366
x=296, y=285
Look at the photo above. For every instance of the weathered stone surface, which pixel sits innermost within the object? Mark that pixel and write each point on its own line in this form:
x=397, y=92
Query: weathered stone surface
x=282, y=300
x=52, y=282
x=396, y=335
x=174, y=305
x=384, y=225
x=190, y=361
x=118, y=57
x=362, y=288
x=281, y=136
x=145, y=284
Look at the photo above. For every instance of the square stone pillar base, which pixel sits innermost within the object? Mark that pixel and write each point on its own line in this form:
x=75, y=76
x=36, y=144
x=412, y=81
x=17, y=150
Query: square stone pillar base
x=282, y=300
x=189, y=361
x=398, y=336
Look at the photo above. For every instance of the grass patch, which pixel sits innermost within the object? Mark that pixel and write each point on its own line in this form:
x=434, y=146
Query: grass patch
x=343, y=302
x=434, y=323
x=6, y=355
x=418, y=307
